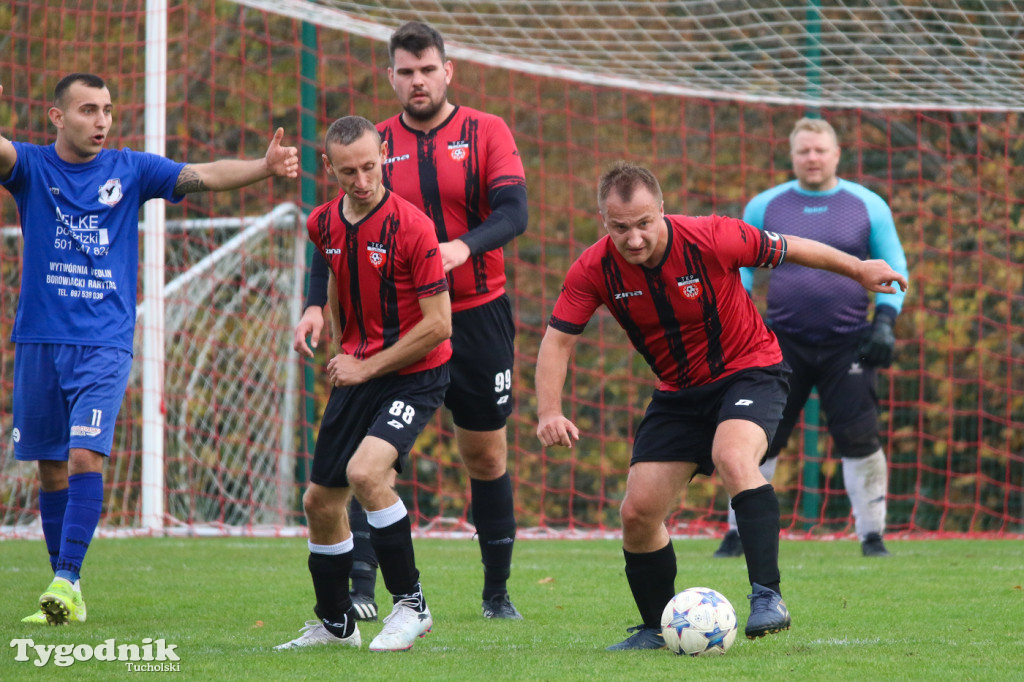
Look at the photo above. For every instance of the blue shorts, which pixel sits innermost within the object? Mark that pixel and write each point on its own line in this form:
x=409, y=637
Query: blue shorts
x=66, y=397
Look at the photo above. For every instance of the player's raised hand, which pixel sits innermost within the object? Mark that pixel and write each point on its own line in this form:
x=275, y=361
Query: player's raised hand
x=311, y=325
x=282, y=161
x=557, y=430
x=876, y=275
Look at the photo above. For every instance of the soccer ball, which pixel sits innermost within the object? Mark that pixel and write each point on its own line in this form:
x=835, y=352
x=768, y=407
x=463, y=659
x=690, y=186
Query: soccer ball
x=698, y=621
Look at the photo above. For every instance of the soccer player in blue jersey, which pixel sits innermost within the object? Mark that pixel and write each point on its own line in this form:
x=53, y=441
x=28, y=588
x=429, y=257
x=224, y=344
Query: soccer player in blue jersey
x=79, y=209
x=821, y=320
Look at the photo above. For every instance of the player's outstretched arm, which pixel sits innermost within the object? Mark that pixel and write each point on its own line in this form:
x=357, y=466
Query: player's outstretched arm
x=873, y=275
x=8, y=156
x=434, y=328
x=553, y=428
x=216, y=176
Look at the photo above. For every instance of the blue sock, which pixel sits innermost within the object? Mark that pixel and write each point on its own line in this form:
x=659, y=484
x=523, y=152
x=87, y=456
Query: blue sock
x=85, y=503
x=51, y=512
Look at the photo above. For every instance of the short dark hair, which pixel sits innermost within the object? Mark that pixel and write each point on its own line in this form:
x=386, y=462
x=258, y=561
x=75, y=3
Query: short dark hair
x=348, y=129
x=623, y=178
x=90, y=80
x=416, y=38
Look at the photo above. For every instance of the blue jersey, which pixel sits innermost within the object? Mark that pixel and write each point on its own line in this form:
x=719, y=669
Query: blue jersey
x=816, y=304
x=80, y=223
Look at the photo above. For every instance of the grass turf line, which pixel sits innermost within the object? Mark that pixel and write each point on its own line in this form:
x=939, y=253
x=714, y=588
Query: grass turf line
x=937, y=609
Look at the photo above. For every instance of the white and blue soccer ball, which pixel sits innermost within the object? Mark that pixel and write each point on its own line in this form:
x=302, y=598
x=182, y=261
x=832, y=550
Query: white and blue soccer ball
x=698, y=621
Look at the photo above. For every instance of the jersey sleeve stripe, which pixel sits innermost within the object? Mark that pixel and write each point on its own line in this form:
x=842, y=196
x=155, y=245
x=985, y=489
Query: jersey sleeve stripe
x=432, y=289
x=505, y=180
x=566, y=327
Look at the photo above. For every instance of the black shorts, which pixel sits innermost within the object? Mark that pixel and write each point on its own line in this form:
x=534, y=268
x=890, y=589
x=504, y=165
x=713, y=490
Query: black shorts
x=480, y=396
x=847, y=392
x=679, y=426
x=394, y=408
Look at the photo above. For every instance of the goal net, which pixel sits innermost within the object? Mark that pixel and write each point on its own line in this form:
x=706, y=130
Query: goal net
x=231, y=391
x=926, y=99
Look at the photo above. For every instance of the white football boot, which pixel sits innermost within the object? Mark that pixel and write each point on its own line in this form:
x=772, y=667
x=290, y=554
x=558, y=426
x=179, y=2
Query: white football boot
x=403, y=626
x=315, y=634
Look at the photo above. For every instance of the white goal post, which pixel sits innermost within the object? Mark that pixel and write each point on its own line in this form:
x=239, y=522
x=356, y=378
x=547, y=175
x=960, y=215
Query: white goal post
x=199, y=300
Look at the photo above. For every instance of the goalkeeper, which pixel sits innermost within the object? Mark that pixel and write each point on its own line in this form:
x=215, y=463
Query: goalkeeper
x=821, y=320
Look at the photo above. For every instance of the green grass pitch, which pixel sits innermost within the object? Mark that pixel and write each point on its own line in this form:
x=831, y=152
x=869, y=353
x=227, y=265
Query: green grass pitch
x=937, y=609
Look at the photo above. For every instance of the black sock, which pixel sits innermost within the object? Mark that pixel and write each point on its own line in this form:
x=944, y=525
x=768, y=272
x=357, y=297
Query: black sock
x=364, y=566
x=393, y=546
x=652, y=578
x=757, y=519
x=495, y=521
x=417, y=594
x=330, y=584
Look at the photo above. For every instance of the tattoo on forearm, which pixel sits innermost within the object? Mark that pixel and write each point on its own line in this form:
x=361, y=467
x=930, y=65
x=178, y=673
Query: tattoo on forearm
x=189, y=182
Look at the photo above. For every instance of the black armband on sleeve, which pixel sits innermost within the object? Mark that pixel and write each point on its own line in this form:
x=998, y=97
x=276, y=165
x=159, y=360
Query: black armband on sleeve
x=319, y=276
x=507, y=221
x=773, y=250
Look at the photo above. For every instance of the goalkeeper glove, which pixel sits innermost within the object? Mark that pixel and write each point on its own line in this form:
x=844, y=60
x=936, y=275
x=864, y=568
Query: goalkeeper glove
x=876, y=350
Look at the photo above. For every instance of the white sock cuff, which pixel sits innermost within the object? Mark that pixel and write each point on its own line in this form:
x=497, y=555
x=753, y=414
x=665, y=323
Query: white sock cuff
x=331, y=550
x=382, y=518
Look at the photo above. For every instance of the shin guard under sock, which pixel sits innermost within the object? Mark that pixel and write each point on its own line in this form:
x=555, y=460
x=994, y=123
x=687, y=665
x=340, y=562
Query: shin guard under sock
x=652, y=577
x=495, y=521
x=757, y=519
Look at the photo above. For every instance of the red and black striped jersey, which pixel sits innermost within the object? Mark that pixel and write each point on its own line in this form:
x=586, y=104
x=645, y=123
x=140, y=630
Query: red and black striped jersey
x=448, y=172
x=383, y=265
x=689, y=316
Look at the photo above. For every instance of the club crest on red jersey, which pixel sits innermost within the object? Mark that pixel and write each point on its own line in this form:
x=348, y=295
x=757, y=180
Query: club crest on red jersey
x=458, y=150
x=376, y=254
x=690, y=286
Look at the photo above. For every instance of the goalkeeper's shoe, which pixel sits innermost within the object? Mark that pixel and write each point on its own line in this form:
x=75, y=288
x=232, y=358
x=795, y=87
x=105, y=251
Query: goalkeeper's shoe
x=731, y=546
x=365, y=606
x=315, y=634
x=643, y=637
x=409, y=619
x=500, y=606
x=768, y=613
x=873, y=546
x=61, y=604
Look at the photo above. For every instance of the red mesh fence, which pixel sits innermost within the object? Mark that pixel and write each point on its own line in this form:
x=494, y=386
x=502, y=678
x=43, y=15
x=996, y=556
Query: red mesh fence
x=953, y=403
